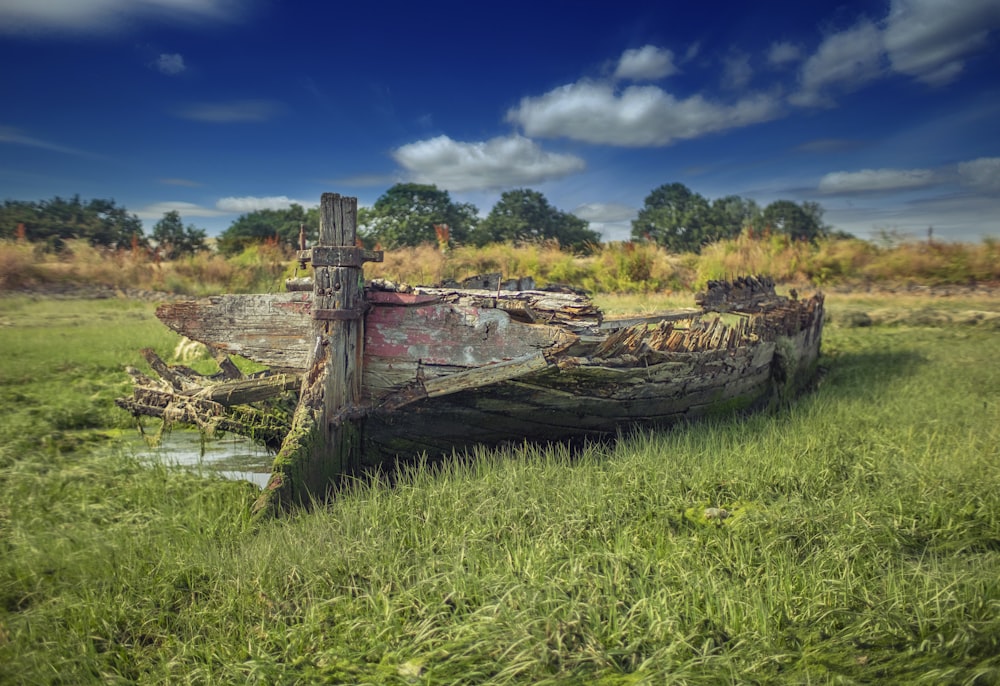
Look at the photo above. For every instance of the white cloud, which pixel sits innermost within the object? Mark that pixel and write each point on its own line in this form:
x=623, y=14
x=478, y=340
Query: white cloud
x=782, y=53
x=497, y=163
x=605, y=212
x=250, y=203
x=983, y=173
x=105, y=16
x=185, y=209
x=638, y=116
x=170, y=64
x=612, y=221
x=844, y=61
x=928, y=39
x=736, y=71
x=10, y=134
x=237, y=111
x=645, y=64
x=876, y=180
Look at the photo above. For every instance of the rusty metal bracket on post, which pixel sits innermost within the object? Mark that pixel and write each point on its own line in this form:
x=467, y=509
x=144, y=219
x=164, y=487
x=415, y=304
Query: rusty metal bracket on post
x=339, y=256
x=338, y=315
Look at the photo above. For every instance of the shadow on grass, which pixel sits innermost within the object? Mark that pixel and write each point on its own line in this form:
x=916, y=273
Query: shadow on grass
x=848, y=374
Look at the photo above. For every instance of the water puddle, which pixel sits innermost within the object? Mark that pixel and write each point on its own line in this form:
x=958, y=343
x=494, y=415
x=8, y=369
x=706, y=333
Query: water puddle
x=231, y=456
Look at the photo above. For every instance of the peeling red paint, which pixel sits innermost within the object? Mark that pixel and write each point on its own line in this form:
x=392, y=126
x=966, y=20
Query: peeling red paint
x=444, y=334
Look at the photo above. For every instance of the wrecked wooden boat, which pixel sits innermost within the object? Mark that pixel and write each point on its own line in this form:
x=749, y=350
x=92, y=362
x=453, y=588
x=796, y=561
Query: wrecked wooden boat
x=385, y=371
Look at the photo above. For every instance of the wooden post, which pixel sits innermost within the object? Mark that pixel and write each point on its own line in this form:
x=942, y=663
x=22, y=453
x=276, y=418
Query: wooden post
x=324, y=441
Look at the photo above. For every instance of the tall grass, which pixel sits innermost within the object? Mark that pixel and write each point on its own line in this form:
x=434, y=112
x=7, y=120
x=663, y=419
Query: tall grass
x=861, y=547
x=629, y=267
x=258, y=269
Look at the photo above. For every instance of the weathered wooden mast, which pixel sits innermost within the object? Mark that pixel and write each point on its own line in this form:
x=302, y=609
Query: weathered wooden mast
x=324, y=441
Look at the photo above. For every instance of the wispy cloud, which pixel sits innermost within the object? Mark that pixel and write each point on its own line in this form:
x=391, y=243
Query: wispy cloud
x=638, y=116
x=876, y=181
x=930, y=40
x=983, y=173
x=646, y=63
x=605, y=212
x=954, y=216
x=844, y=62
x=108, y=16
x=976, y=176
x=500, y=162
x=180, y=182
x=185, y=209
x=229, y=112
x=251, y=203
x=365, y=180
x=15, y=136
x=170, y=64
x=782, y=53
x=926, y=39
x=736, y=71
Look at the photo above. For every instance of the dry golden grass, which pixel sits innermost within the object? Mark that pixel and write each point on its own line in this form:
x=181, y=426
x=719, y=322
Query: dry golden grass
x=18, y=266
x=623, y=268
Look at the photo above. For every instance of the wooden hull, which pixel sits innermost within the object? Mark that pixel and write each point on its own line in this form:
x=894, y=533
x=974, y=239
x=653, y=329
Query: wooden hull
x=445, y=369
x=593, y=401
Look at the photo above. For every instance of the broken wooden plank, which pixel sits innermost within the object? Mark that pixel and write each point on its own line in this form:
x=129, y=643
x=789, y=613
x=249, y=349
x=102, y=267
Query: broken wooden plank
x=272, y=329
x=625, y=322
x=477, y=377
x=245, y=391
x=166, y=373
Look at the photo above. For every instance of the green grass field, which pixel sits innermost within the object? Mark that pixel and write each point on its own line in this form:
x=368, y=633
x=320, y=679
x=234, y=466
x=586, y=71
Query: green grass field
x=862, y=547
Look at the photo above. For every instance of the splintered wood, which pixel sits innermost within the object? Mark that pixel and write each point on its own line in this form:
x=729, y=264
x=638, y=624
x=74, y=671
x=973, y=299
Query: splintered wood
x=686, y=335
x=212, y=403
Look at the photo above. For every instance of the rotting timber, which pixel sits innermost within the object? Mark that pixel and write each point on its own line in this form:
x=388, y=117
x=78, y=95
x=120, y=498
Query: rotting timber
x=387, y=371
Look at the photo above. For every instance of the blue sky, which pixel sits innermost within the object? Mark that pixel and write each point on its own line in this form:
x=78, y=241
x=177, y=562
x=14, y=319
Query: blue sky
x=886, y=113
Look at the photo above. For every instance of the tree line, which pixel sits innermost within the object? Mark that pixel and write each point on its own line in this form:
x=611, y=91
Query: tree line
x=410, y=214
x=681, y=220
x=102, y=223
x=672, y=216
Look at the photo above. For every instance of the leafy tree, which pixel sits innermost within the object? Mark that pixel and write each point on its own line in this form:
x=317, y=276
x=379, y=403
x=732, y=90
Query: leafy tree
x=174, y=239
x=801, y=222
x=675, y=217
x=52, y=222
x=114, y=226
x=262, y=225
x=681, y=220
x=406, y=214
x=524, y=214
x=731, y=215
x=15, y=212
